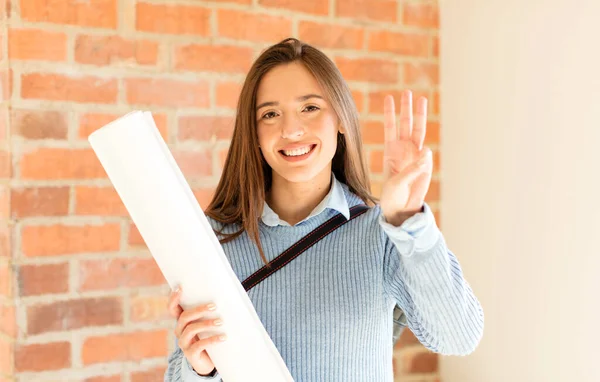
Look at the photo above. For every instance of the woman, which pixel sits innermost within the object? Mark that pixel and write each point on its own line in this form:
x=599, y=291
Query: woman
x=295, y=161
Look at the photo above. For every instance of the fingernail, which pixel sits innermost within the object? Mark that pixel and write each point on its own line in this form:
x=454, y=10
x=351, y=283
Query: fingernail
x=177, y=289
x=212, y=306
x=222, y=338
x=217, y=322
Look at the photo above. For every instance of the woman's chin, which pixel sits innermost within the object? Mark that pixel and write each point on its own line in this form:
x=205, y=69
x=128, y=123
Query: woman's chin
x=303, y=174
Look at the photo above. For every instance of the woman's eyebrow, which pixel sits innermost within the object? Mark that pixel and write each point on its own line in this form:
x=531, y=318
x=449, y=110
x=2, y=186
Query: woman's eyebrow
x=299, y=99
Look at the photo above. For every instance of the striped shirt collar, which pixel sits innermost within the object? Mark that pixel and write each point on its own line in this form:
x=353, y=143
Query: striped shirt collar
x=335, y=200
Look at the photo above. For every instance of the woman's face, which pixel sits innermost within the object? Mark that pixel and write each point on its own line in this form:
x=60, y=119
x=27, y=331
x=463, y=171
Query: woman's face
x=297, y=128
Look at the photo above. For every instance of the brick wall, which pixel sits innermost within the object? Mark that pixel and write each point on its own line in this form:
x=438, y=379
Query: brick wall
x=74, y=272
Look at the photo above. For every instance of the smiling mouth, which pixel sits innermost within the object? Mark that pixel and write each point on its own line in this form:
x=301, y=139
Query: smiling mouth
x=298, y=152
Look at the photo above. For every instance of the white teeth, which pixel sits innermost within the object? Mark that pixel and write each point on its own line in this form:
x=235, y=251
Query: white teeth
x=296, y=152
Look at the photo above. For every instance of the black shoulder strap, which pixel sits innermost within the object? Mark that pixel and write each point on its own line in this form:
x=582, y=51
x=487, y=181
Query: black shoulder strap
x=305, y=243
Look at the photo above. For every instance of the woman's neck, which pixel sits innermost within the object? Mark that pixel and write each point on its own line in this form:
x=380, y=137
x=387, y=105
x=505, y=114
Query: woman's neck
x=293, y=202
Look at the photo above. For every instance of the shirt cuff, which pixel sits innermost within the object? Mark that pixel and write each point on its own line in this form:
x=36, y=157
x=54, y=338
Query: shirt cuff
x=189, y=374
x=417, y=234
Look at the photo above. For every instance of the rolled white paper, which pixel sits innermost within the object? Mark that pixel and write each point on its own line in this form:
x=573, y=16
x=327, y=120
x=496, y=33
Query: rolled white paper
x=181, y=240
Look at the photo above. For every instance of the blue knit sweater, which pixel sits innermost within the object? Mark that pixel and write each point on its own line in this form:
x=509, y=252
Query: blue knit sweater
x=329, y=312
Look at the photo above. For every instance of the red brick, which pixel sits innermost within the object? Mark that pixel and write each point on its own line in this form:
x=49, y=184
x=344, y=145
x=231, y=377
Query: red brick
x=214, y=58
x=125, y=347
x=376, y=161
x=247, y=2
x=59, y=163
x=112, y=378
x=423, y=362
x=380, y=10
x=6, y=84
x=407, y=338
x=90, y=13
x=8, y=323
x=432, y=135
x=326, y=35
x=4, y=116
x=6, y=357
x=172, y=19
x=5, y=204
x=436, y=160
x=252, y=26
x=59, y=87
x=435, y=49
x=74, y=314
x=100, y=201
x=202, y=128
x=36, y=44
x=165, y=92
x=149, y=308
x=6, y=276
x=435, y=107
x=194, y=163
x=39, y=201
x=204, y=196
x=107, y=50
x=422, y=74
x=135, y=238
x=407, y=44
x=90, y=122
x=127, y=272
x=62, y=239
x=5, y=241
x=43, y=279
x=372, y=132
x=359, y=100
x=315, y=7
x=228, y=94
x=39, y=124
x=368, y=69
x=43, y=357
x=433, y=195
x=5, y=164
x=222, y=158
x=153, y=375
x=421, y=15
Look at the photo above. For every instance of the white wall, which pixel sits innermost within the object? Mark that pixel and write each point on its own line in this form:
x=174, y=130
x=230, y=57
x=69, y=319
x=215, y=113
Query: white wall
x=521, y=183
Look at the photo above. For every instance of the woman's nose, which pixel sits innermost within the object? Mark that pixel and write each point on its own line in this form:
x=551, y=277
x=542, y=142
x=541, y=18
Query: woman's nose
x=291, y=128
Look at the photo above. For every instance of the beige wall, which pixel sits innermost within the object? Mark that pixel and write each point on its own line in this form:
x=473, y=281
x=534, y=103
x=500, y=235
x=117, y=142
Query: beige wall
x=520, y=97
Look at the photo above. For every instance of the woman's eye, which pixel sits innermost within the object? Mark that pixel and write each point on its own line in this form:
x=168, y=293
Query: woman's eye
x=270, y=115
x=311, y=108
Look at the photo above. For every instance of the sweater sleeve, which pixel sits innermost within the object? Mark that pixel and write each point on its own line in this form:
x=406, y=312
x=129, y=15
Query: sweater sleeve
x=426, y=280
x=180, y=370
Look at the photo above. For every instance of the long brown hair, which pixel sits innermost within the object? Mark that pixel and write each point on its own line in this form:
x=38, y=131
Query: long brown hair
x=246, y=177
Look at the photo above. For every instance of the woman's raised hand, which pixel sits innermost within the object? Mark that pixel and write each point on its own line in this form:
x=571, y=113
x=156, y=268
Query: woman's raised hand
x=407, y=164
